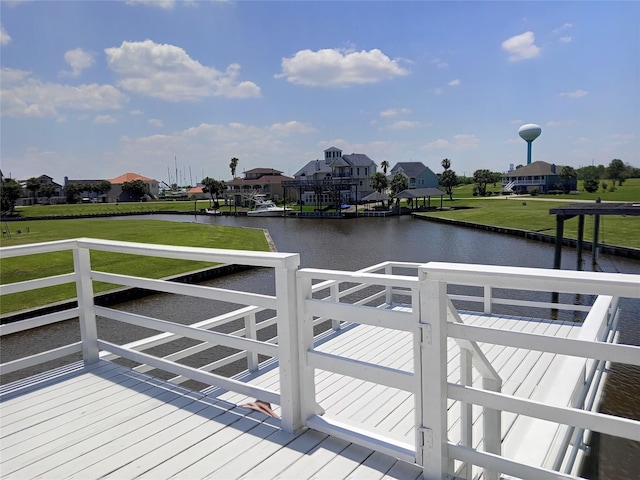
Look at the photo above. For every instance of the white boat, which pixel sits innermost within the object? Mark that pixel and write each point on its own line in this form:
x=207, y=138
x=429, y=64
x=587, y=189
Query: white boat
x=266, y=208
x=212, y=211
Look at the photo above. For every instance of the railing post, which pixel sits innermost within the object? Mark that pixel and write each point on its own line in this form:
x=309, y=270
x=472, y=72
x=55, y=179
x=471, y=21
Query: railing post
x=86, y=307
x=388, y=270
x=307, y=373
x=492, y=427
x=432, y=447
x=335, y=324
x=466, y=408
x=487, y=299
x=250, y=332
x=288, y=348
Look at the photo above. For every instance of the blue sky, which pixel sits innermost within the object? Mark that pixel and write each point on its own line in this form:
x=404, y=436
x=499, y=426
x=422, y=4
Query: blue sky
x=96, y=89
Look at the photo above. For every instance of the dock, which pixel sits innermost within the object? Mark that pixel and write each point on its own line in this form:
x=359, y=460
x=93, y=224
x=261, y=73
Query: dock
x=410, y=375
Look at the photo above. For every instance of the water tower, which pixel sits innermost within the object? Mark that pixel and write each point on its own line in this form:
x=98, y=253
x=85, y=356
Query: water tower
x=529, y=133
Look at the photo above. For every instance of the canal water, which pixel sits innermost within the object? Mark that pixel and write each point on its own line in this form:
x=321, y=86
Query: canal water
x=351, y=244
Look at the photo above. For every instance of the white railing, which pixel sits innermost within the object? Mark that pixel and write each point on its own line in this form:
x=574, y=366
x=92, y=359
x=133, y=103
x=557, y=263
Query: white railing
x=409, y=297
x=383, y=288
x=589, y=345
x=245, y=340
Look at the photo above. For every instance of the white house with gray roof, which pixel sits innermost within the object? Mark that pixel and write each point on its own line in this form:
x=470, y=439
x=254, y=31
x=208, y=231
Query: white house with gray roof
x=418, y=176
x=351, y=173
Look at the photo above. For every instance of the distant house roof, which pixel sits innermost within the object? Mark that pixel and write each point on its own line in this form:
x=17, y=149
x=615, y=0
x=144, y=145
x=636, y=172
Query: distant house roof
x=410, y=169
x=358, y=160
x=264, y=171
x=260, y=180
x=314, y=167
x=194, y=190
x=538, y=168
x=130, y=177
x=420, y=193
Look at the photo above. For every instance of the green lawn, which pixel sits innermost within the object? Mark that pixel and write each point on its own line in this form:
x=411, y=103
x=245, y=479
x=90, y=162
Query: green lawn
x=527, y=213
x=628, y=192
x=146, y=231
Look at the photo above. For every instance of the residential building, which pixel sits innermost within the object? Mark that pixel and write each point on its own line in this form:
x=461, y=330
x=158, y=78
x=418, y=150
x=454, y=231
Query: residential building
x=87, y=193
x=262, y=181
x=42, y=195
x=337, y=175
x=418, y=175
x=153, y=187
x=538, y=177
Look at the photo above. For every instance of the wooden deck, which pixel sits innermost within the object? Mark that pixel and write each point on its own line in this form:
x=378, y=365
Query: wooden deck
x=109, y=421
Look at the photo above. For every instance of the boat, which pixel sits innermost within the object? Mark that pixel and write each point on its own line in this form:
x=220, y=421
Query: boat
x=266, y=208
x=212, y=211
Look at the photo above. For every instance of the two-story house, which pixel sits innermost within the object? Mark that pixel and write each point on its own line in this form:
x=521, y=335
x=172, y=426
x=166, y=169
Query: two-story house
x=345, y=175
x=537, y=176
x=48, y=191
x=418, y=175
x=258, y=181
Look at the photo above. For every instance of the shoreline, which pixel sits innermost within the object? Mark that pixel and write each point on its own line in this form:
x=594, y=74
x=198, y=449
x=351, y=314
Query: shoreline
x=627, y=252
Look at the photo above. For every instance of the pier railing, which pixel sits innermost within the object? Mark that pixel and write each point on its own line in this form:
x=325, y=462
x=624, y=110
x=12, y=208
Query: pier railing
x=425, y=301
x=244, y=340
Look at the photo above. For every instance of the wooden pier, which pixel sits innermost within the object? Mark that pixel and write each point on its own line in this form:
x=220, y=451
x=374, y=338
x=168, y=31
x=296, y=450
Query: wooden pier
x=413, y=379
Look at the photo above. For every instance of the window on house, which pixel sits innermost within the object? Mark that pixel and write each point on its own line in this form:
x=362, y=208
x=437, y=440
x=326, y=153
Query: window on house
x=358, y=171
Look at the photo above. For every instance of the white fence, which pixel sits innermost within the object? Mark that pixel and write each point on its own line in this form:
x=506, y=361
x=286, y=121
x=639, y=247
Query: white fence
x=401, y=296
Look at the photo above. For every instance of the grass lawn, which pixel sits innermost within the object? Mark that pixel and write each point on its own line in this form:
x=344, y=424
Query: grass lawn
x=145, y=231
x=533, y=215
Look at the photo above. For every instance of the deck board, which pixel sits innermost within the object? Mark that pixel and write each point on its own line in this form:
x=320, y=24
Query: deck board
x=107, y=420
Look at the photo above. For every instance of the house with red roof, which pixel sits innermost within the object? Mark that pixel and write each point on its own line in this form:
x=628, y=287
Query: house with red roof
x=153, y=187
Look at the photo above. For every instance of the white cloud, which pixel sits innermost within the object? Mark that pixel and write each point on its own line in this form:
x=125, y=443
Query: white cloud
x=564, y=27
x=338, y=68
x=393, y=112
x=78, y=59
x=574, y=94
x=454, y=83
x=459, y=142
x=436, y=144
x=167, y=72
x=26, y=96
x=403, y=125
x=104, y=119
x=5, y=38
x=438, y=91
x=156, y=122
x=289, y=128
x=521, y=47
x=164, y=4
x=136, y=112
x=565, y=39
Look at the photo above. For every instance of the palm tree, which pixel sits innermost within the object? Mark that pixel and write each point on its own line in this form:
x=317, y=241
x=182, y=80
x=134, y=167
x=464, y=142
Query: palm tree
x=233, y=165
x=379, y=182
x=446, y=163
x=384, y=165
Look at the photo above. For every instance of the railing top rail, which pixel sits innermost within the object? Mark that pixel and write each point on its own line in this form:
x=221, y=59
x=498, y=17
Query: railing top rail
x=216, y=255
x=372, y=278
x=540, y=279
x=34, y=248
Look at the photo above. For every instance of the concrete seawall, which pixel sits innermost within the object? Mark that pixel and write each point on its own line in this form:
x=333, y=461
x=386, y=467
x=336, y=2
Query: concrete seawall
x=627, y=252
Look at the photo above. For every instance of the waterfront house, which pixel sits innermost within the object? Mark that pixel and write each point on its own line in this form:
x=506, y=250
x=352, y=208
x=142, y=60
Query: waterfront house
x=418, y=175
x=153, y=187
x=39, y=196
x=538, y=177
x=263, y=181
x=338, y=174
